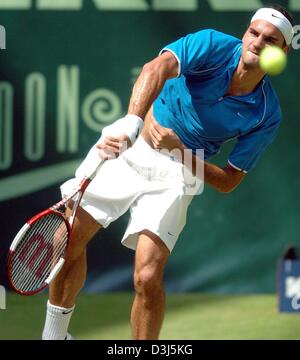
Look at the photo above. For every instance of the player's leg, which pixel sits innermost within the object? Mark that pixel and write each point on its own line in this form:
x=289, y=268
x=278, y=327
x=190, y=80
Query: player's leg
x=149, y=302
x=66, y=286
x=68, y=283
x=106, y=200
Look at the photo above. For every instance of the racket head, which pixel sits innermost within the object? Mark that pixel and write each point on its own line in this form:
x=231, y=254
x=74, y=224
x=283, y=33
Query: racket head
x=37, y=252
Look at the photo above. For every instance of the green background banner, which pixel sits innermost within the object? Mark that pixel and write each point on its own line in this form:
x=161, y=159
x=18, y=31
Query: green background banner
x=68, y=70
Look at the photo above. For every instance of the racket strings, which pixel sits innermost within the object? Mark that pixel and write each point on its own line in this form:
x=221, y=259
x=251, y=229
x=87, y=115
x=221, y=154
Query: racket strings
x=38, y=251
x=32, y=270
x=41, y=256
x=28, y=256
x=39, y=269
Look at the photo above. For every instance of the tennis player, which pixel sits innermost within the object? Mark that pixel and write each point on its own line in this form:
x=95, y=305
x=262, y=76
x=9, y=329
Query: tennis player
x=202, y=90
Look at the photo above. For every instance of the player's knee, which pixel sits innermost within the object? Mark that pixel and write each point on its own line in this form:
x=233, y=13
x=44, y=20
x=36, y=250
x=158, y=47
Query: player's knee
x=73, y=253
x=78, y=242
x=148, y=280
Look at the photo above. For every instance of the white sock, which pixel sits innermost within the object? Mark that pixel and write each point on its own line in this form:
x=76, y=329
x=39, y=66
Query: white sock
x=57, y=322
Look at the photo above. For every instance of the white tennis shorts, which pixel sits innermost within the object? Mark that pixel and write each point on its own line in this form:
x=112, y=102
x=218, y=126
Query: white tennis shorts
x=149, y=183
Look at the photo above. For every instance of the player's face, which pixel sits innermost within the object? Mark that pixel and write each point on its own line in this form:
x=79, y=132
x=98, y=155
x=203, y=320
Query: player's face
x=260, y=34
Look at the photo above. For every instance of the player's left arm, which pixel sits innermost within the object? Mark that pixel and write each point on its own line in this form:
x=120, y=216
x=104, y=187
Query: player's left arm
x=223, y=179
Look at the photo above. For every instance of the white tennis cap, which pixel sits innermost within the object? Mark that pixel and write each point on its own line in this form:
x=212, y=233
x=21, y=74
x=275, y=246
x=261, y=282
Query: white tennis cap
x=276, y=18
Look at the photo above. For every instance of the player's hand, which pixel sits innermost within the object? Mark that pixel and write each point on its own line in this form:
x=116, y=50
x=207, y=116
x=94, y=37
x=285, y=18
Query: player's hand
x=119, y=136
x=163, y=138
x=110, y=147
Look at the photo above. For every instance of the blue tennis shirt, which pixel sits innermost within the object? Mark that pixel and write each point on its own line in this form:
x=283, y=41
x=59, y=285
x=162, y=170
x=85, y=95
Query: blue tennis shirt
x=195, y=106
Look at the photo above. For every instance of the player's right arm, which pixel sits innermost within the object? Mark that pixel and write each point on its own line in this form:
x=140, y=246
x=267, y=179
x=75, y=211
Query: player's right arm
x=151, y=81
x=147, y=87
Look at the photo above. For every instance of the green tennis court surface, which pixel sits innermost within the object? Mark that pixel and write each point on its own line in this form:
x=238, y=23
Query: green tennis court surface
x=188, y=316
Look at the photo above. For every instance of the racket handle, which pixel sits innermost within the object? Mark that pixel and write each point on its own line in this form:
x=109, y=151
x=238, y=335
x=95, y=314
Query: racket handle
x=55, y=271
x=89, y=166
x=92, y=170
x=90, y=173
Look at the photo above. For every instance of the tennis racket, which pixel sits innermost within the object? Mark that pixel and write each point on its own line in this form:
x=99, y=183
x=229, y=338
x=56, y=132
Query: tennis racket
x=38, y=251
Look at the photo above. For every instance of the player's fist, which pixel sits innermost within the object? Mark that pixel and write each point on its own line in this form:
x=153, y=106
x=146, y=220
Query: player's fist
x=111, y=147
x=163, y=138
x=120, y=135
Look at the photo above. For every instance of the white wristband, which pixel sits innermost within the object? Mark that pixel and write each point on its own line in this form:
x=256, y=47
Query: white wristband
x=129, y=125
x=135, y=125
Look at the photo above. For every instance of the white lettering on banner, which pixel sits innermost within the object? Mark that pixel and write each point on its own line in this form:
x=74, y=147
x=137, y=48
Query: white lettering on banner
x=2, y=38
x=100, y=108
x=133, y=5
x=67, y=108
x=59, y=4
x=6, y=125
x=235, y=5
x=2, y=298
x=296, y=38
x=294, y=5
x=15, y=4
x=138, y=5
x=35, y=116
x=295, y=302
x=175, y=5
x=292, y=286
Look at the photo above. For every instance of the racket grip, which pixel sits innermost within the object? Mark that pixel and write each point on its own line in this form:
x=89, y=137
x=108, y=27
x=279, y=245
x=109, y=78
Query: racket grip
x=92, y=170
x=89, y=166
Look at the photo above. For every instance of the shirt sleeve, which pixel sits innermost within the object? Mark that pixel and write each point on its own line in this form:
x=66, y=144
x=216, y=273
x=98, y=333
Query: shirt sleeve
x=204, y=49
x=250, y=147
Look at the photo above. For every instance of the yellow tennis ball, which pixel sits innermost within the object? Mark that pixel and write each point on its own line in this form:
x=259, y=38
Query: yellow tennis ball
x=272, y=60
